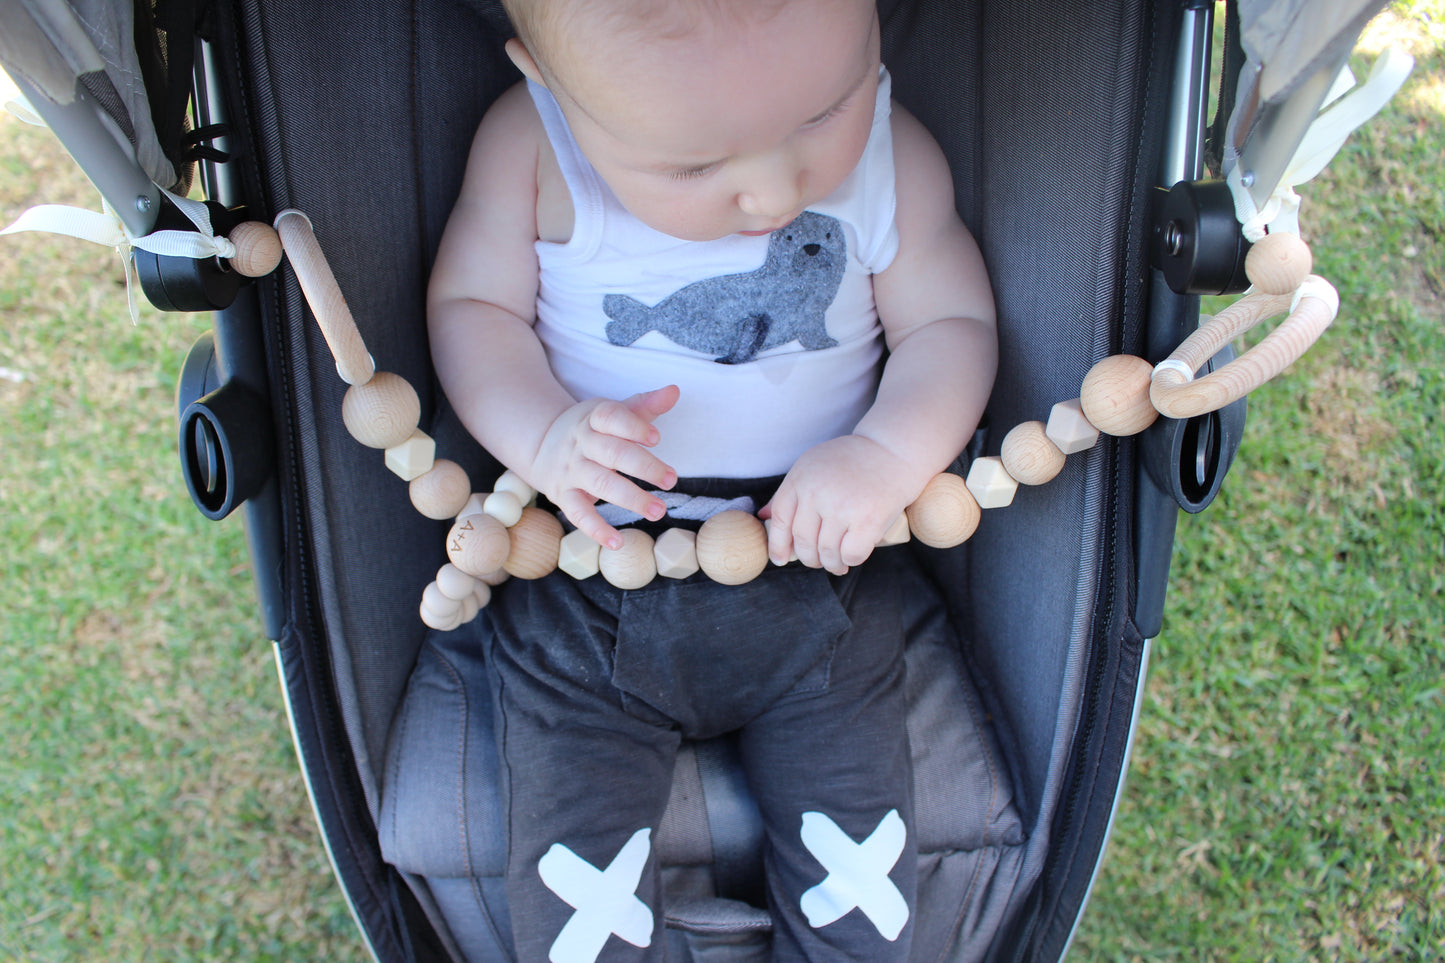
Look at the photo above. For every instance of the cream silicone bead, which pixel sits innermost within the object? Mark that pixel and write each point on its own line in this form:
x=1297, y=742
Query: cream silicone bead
x=675, y=552
x=632, y=566
x=1115, y=395
x=1029, y=456
x=383, y=412
x=454, y=583
x=732, y=547
x=535, y=541
x=478, y=545
x=504, y=506
x=945, y=513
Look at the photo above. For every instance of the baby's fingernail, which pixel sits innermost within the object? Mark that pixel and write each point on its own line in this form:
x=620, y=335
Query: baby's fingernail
x=654, y=436
x=656, y=510
x=615, y=543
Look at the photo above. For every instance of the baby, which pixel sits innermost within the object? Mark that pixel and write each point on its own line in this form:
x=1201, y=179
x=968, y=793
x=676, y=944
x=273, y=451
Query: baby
x=680, y=251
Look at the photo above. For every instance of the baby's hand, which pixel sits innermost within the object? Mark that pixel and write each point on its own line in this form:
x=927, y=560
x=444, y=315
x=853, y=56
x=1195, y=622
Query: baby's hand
x=588, y=449
x=837, y=502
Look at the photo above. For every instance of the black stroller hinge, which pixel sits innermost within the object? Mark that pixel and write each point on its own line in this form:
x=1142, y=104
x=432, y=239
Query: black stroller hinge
x=1197, y=241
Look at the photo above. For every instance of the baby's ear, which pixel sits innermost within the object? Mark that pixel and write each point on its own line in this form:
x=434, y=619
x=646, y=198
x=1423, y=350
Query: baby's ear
x=520, y=56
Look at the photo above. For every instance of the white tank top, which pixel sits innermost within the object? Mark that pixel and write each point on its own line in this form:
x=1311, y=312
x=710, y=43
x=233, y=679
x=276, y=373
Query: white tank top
x=774, y=341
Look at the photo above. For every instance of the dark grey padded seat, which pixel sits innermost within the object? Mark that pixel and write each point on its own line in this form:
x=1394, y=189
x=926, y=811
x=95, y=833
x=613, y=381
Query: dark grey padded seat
x=441, y=816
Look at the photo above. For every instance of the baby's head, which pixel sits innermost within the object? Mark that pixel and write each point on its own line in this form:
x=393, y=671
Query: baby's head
x=709, y=117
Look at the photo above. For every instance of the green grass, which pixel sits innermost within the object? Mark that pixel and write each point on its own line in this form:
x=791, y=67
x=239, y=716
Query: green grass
x=150, y=805
x=1285, y=801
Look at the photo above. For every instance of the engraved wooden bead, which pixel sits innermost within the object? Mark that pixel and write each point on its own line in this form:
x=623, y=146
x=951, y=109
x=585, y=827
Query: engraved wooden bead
x=632, y=566
x=383, y=412
x=442, y=491
x=258, y=249
x=732, y=547
x=1029, y=456
x=478, y=545
x=536, y=539
x=1115, y=395
x=945, y=514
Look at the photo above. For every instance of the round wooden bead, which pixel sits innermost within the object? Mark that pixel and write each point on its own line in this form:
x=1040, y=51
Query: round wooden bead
x=383, y=412
x=1115, y=395
x=478, y=545
x=1029, y=456
x=535, y=538
x=732, y=547
x=258, y=249
x=632, y=566
x=946, y=513
x=454, y=583
x=1278, y=263
x=441, y=491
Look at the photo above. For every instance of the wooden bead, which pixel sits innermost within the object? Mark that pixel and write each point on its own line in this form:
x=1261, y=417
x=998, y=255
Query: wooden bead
x=1115, y=395
x=495, y=577
x=441, y=491
x=258, y=249
x=474, y=505
x=454, y=583
x=383, y=412
x=578, y=555
x=1029, y=456
x=945, y=514
x=536, y=540
x=632, y=566
x=1069, y=429
x=413, y=457
x=478, y=545
x=1278, y=263
x=353, y=363
x=990, y=484
x=675, y=552
x=732, y=547
x=505, y=507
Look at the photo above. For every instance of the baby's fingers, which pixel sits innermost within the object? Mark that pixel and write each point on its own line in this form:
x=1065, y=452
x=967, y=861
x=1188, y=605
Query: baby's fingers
x=581, y=510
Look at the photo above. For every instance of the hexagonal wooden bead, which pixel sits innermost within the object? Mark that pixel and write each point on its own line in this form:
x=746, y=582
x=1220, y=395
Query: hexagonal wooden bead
x=478, y=545
x=413, y=457
x=383, y=412
x=675, y=553
x=990, y=483
x=442, y=490
x=505, y=507
x=577, y=555
x=632, y=566
x=1115, y=395
x=454, y=583
x=732, y=547
x=536, y=541
x=1069, y=429
x=258, y=249
x=1029, y=456
x=945, y=514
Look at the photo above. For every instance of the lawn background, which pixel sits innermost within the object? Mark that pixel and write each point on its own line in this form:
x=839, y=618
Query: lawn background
x=1285, y=800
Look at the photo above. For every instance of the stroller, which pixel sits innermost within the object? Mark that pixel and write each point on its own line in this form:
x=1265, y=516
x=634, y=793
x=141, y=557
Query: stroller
x=1031, y=640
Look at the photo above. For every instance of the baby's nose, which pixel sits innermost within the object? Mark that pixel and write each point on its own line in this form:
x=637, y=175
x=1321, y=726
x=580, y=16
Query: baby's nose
x=773, y=191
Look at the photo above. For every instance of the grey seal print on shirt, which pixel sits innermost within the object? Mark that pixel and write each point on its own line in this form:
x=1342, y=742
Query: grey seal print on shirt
x=738, y=315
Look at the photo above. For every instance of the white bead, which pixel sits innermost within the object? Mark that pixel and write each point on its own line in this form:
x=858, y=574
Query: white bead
x=504, y=506
x=991, y=484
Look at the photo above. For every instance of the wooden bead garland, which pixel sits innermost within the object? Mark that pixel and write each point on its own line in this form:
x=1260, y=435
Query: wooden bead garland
x=502, y=533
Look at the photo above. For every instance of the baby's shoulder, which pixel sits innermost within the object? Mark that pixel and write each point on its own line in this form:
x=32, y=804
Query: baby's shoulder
x=512, y=115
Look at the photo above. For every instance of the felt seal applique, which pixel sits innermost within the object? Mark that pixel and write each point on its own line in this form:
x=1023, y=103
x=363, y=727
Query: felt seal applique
x=736, y=316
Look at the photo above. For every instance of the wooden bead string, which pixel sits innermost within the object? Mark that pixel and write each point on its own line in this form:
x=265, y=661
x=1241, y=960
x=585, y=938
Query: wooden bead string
x=502, y=534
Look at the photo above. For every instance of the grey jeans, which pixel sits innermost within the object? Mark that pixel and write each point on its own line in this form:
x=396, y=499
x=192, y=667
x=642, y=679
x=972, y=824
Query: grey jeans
x=594, y=689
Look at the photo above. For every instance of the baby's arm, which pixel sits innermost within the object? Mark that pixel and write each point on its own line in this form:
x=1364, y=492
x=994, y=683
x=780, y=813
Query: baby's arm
x=481, y=306
x=937, y=312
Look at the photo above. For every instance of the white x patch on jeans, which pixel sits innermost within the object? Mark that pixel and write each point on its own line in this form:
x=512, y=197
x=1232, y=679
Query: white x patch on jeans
x=605, y=900
x=857, y=874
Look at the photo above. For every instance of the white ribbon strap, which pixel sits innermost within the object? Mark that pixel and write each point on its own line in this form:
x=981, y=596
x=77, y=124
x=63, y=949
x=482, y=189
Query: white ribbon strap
x=697, y=508
x=1344, y=113
x=105, y=227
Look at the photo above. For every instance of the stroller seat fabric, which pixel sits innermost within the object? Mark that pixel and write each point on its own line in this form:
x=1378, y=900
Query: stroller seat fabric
x=441, y=816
